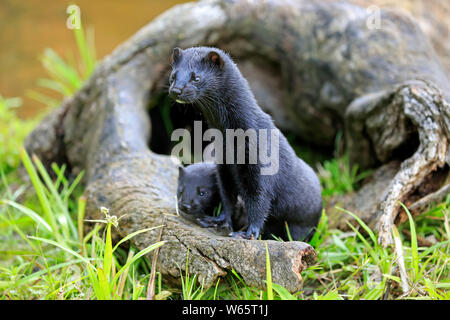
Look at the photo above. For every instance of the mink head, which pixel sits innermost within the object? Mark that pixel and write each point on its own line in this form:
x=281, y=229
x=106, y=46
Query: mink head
x=197, y=189
x=196, y=74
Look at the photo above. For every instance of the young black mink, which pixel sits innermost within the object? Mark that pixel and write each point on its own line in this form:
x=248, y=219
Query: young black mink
x=198, y=193
x=208, y=78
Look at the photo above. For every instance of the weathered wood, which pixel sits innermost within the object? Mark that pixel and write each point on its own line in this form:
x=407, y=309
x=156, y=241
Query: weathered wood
x=129, y=189
x=316, y=67
x=431, y=16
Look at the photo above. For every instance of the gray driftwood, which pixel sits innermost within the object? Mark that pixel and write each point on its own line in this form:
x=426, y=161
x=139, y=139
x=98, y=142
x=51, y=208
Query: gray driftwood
x=316, y=67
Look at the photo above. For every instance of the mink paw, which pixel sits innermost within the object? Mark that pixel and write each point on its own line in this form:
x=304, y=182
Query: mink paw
x=242, y=235
x=214, y=222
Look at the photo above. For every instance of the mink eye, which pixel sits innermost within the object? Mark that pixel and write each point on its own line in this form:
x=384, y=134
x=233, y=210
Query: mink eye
x=172, y=77
x=201, y=193
x=194, y=77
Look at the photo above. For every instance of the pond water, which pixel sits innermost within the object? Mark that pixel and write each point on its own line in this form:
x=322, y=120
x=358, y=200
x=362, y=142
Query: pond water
x=28, y=27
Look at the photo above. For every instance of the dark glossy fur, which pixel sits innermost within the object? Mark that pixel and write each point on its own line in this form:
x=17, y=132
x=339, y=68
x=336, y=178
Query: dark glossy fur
x=198, y=193
x=211, y=81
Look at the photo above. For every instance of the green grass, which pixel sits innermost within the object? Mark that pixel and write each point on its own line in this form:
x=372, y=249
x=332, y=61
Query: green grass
x=338, y=176
x=358, y=268
x=66, y=76
x=46, y=254
x=55, y=238
x=12, y=133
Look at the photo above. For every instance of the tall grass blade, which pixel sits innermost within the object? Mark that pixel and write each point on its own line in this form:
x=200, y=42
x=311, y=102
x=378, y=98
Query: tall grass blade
x=85, y=260
x=30, y=213
x=137, y=256
x=72, y=187
x=40, y=191
x=86, y=51
x=400, y=259
x=282, y=292
x=64, y=218
x=107, y=257
x=123, y=276
x=131, y=235
x=414, y=246
x=80, y=216
x=103, y=285
x=362, y=224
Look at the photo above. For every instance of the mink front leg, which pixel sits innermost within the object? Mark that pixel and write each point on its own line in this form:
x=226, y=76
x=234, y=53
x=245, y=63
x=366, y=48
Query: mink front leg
x=257, y=208
x=226, y=188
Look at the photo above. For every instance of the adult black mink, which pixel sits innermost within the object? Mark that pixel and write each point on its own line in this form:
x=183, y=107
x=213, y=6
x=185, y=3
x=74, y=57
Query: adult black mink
x=208, y=78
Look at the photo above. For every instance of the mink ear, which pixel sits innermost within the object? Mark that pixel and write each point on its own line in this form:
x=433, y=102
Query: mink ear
x=180, y=171
x=176, y=54
x=215, y=59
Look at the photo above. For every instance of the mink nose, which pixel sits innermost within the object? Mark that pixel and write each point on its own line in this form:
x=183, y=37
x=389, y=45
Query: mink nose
x=175, y=92
x=185, y=207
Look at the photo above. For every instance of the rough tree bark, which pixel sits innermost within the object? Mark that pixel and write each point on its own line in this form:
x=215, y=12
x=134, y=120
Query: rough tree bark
x=316, y=67
x=431, y=15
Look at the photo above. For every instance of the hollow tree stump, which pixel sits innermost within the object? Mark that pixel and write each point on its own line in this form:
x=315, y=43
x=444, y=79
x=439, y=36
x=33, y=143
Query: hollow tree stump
x=316, y=67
